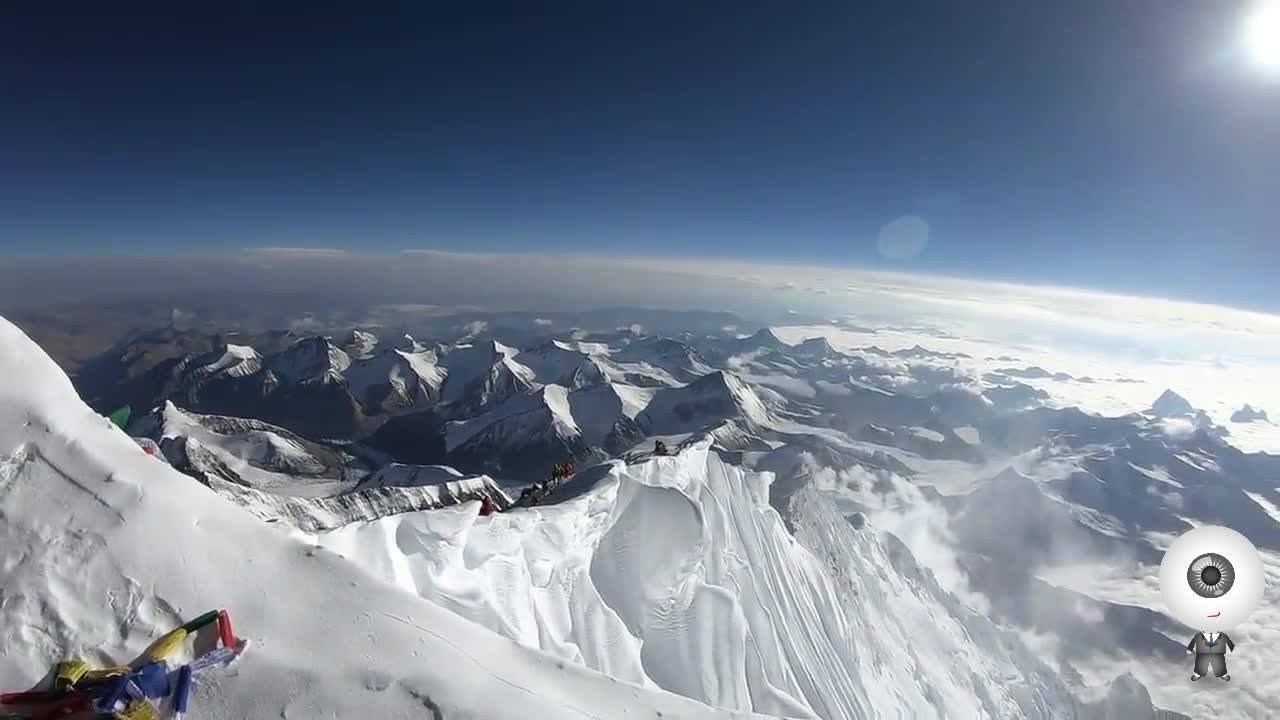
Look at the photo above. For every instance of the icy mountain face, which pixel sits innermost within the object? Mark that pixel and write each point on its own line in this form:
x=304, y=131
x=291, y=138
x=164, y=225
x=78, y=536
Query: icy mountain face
x=229, y=361
x=377, y=495
x=1248, y=414
x=523, y=437
x=469, y=362
x=1021, y=488
x=360, y=344
x=103, y=549
x=255, y=453
x=703, y=403
x=677, y=573
x=396, y=381
x=1171, y=404
x=663, y=361
x=310, y=360
x=279, y=476
x=558, y=362
x=606, y=414
x=482, y=377
x=816, y=348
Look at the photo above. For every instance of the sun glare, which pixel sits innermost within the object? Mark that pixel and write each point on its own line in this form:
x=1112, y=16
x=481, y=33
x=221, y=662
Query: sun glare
x=1262, y=36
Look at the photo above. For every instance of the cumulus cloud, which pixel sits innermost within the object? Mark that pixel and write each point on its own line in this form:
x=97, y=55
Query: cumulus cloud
x=305, y=324
x=1178, y=428
x=475, y=328
x=832, y=388
x=788, y=385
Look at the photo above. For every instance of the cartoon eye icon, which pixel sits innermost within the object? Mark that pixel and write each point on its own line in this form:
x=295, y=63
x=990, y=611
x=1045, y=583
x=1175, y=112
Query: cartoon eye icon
x=1211, y=578
x=1211, y=575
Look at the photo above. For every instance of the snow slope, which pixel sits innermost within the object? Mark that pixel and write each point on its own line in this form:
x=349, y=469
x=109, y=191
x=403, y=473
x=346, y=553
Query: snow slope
x=103, y=548
x=261, y=455
x=397, y=379
x=310, y=360
x=521, y=417
x=599, y=410
x=482, y=377
x=233, y=361
x=559, y=362
x=704, y=402
x=676, y=572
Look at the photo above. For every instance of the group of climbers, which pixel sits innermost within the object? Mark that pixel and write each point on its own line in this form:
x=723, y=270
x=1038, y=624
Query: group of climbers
x=535, y=493
x=135, y=691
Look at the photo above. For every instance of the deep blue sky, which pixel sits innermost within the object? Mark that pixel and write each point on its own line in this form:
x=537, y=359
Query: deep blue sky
x=1103, y=143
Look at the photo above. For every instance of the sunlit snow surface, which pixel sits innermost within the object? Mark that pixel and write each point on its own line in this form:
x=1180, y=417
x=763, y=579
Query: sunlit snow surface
x=668, y=574
x=103, y=548
x=677, y=572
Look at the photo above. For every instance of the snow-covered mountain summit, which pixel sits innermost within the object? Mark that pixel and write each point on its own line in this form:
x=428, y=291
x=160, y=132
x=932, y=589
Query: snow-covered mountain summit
x=103, y=548
x=678, y=585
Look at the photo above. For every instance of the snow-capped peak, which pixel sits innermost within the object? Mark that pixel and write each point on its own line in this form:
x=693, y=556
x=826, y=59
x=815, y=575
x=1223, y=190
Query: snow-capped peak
x=106, y=549
x=360, y=343
x=765, y=338
x=545, y=409
x=704, y=402
x=815, y=347
x=230, y=361
x=310, y=359
x=1249, y=414
x=406, y=343
x=1171, y=404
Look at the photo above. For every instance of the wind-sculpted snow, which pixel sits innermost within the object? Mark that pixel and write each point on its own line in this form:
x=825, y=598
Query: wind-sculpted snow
x=280, y=476
x=102, y=549
x=676, y=572
x=376, y=500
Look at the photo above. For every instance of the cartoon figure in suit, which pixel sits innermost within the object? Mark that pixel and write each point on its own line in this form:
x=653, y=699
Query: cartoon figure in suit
x=1211, y=579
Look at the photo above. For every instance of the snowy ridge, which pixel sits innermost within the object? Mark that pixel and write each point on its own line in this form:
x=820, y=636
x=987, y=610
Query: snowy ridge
x=258, y=454
x=706, y=401
x=599, y=410
x=561, y=363
x=396, y=380
x=234, y=361
x=546, y=410
x=664, y=360
x=310, y=360
x=360, y=344
x=482, y=377
x=374, y=498
x=676, y=572
x=279, y=476
x=106, y=548
x=468, y=363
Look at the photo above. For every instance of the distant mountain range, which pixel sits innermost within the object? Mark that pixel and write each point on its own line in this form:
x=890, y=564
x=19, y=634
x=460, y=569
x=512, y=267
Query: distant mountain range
x=327, y=431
